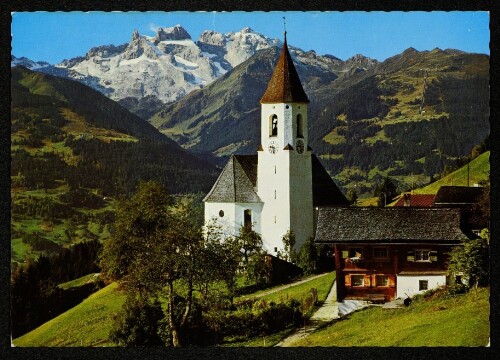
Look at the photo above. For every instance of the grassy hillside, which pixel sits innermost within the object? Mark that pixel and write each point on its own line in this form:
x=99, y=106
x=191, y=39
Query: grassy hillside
x=73, y=152
x=462, y=320
x=479, y=171
x=87, y=324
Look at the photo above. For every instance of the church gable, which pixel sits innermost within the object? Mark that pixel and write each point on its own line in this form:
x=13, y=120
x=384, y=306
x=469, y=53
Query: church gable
x=236, y=182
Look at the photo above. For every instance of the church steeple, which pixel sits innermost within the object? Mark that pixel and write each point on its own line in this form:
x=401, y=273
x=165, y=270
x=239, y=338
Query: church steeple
x=285, y=85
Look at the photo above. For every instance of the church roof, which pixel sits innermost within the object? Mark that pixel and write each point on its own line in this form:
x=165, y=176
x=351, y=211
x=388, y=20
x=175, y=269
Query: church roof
x=285, y=85
x=237, y=181
x=325, y=191
x=389, y=225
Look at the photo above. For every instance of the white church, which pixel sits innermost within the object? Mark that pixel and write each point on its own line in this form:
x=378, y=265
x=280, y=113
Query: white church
x=277, y=189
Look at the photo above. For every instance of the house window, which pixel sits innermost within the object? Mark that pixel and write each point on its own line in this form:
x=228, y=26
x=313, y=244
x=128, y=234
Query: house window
x=422, y=255
x=380, y=253
x=299, y=126
x=423, y=285
x=382, y=280
x=357, y=280
x=273, y=125
x=221, y=213
x=247, y=218
x=355, y=252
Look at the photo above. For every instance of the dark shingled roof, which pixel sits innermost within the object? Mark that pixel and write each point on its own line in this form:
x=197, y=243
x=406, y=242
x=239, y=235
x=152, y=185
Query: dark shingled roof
x=389, y=225
x=237, y=181
x=285, y=85
x=458, y=195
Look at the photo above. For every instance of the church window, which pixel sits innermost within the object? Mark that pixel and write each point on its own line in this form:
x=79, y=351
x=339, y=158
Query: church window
x=273, y=125
x=221, y=213
x=300, y=125
x=288, y=107
x=274, y=194
x=275, y=169
x=247, y=218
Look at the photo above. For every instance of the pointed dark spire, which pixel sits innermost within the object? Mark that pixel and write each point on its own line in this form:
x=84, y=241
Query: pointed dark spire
x=285, y=85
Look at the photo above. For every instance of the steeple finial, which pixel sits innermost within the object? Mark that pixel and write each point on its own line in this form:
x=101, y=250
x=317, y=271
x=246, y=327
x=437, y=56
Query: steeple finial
x=284, y=27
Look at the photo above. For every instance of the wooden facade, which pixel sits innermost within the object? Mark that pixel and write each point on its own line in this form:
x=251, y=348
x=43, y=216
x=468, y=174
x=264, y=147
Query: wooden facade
x=370, y=271
x=382, y=251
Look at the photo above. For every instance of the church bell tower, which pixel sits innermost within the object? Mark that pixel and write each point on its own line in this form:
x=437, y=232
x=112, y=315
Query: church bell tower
x=284, y=173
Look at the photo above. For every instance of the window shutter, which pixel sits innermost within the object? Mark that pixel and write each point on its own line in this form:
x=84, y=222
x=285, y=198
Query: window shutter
x=410, y=255
x=392, y=282
x=367, y=279
x=348, y=280
x=433, y=256
x=345, y=254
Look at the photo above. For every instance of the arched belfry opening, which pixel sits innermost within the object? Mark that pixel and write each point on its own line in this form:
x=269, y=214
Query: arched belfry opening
x=273, y=125
x=300, y=126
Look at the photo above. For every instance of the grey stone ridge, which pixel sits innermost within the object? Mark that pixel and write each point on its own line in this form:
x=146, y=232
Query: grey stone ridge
x=389, y=225
x=458, y=195
x=238, y=183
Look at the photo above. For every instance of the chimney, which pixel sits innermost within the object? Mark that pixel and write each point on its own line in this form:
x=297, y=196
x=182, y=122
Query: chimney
x=406, y=198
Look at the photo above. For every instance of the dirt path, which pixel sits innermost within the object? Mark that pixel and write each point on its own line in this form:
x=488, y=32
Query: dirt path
x=283, y=287
x=326, y=313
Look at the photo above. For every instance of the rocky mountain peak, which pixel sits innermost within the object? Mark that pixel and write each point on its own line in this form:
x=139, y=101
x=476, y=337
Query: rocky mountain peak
x=172, y=33
x=211, y=37
x=135, y=35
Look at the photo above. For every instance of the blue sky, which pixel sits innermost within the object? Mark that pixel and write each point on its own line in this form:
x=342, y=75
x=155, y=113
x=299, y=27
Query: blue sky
x=54, y=36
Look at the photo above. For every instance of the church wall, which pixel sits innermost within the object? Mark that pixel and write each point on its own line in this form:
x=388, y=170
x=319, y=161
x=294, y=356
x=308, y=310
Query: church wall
x=233, y=217
x=301, y=205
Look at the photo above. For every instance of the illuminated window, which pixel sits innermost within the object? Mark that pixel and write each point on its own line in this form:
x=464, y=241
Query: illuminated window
x=382, y=280
x=422, y=255
x=357, y=280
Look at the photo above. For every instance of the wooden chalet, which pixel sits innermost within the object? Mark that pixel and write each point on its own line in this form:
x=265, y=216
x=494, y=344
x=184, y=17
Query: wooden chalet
x=387, y=253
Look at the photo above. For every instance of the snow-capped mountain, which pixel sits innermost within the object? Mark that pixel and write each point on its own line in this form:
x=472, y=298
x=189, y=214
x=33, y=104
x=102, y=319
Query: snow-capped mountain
x=27, y=63
x=153, y=70
x=165, y=66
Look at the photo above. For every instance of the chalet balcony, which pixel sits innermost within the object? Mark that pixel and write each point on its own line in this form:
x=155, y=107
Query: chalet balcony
x=358, y=263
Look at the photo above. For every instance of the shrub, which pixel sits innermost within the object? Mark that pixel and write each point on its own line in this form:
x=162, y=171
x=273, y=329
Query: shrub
x=138, y=324
x=262, y=318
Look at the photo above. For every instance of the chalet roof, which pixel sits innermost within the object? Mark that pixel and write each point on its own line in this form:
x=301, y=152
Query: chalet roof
x=237, y=181
x=285, y=85
x=458, y=195
x=419, y=200
x=388, y=225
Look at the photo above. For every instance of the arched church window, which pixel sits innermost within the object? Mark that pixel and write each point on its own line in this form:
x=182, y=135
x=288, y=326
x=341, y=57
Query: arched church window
x=300, y=133
x=247, y=218
x=273, y=125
